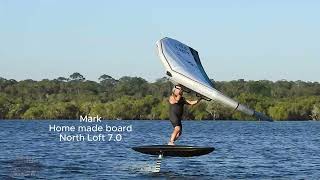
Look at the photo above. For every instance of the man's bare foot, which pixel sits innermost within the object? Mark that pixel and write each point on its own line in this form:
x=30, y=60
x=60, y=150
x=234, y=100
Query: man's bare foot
x=170, y=143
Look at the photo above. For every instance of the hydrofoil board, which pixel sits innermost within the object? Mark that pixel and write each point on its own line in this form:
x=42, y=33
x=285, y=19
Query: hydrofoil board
x=174, y=150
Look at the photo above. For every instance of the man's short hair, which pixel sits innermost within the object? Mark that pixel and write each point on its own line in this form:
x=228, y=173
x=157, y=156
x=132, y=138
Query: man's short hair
x=175, y=87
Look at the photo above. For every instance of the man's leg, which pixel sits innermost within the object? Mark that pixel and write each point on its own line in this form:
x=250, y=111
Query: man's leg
x=176, y=131
x=179, y=134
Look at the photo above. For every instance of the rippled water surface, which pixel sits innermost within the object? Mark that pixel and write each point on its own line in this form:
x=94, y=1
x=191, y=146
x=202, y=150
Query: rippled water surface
x=244, y=150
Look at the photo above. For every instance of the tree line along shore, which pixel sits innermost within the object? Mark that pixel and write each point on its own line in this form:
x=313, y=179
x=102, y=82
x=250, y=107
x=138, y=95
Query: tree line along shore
x=135, y=98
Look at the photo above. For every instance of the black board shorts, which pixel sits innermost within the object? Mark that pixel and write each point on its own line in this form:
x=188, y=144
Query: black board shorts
x=175, y=121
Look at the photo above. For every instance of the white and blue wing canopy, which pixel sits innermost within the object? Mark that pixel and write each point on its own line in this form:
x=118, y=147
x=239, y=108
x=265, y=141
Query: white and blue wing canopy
x=184, y=60
x=184, y=67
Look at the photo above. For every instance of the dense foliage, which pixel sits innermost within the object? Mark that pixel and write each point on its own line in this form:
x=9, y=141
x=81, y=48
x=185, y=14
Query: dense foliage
x=135, y=98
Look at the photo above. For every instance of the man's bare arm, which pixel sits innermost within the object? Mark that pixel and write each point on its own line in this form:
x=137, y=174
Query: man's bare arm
x=189, y=102
x=172, y=100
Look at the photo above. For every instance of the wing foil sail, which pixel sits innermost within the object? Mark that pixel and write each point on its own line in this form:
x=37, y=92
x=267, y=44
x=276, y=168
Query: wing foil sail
x=183, y=66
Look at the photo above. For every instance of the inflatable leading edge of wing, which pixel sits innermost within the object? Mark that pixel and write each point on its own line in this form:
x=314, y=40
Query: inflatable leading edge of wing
x=183, y=66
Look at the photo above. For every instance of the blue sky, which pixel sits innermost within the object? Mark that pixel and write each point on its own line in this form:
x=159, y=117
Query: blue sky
x=253, y=40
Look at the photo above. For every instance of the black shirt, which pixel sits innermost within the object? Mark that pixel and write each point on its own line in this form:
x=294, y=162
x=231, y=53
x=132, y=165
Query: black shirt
x=176, y=110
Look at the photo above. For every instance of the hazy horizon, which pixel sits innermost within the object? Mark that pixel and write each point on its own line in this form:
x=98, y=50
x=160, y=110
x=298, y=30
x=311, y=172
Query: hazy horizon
x=151, y=81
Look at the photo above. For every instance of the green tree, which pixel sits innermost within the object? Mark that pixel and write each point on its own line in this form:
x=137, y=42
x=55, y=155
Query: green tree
x=316, y=112
x=4, y=106
x=77, y=77
x=161, y=110
x=135, y=98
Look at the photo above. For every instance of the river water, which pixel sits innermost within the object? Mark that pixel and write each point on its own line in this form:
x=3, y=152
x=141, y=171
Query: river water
x=243, y=150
